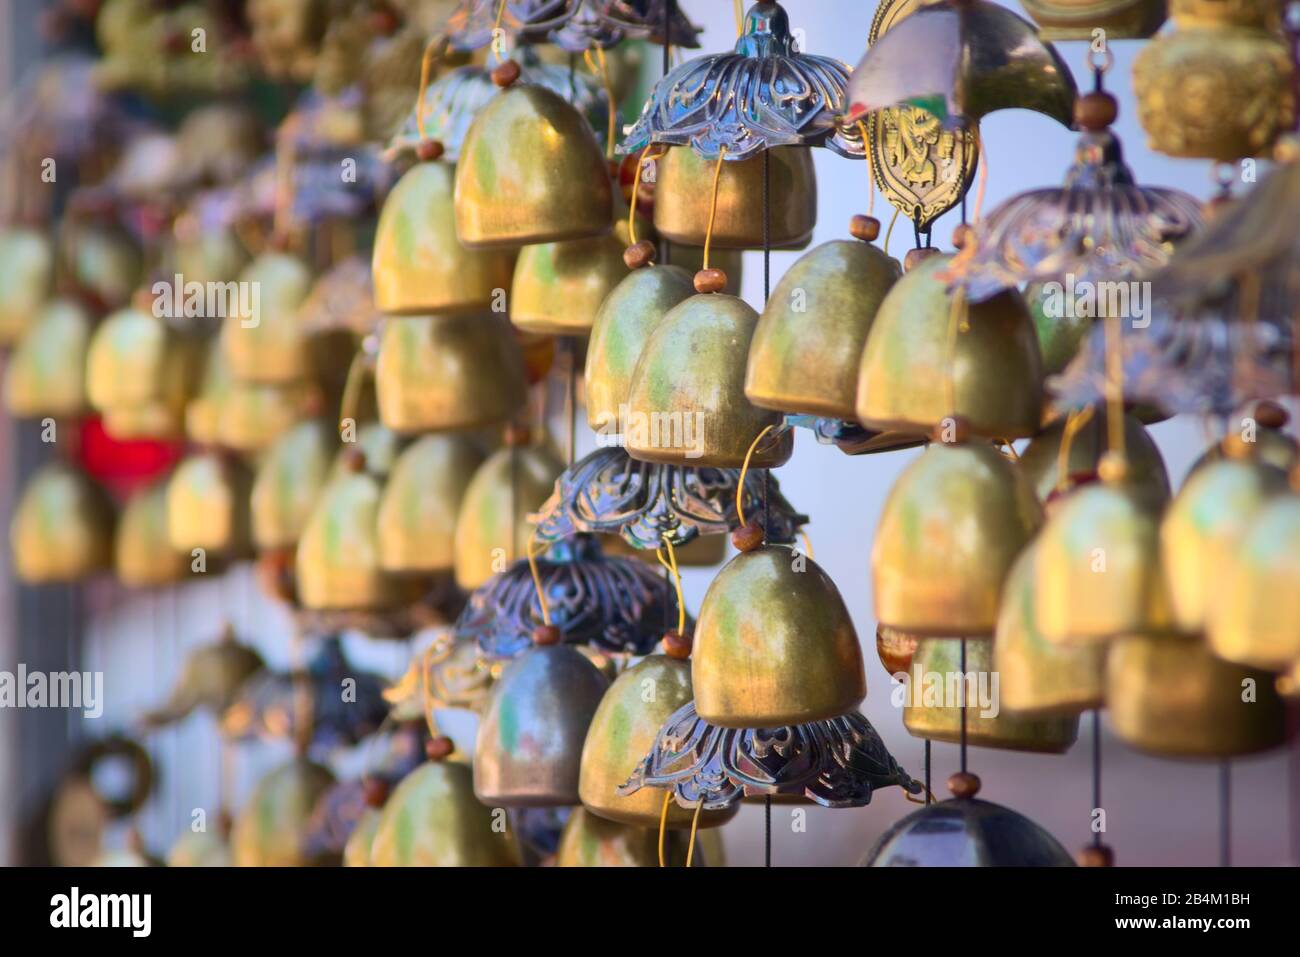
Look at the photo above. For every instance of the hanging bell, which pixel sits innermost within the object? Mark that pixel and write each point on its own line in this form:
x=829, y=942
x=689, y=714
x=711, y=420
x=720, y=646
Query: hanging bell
x=207, y=505
x=62, y=527
x=951, y=527
x=419, y=266
x=46, y=376
x=102, y=262
x=1040, y=462
x=558, y=288
x=212, y=678
x=1079, y=19
x=357, y=850
x=199, y=849
x=529, y=746
x=254, y=415
x=143, y=556
x=448, y=372
x=26, y=269
x=289, y=479
x=420, y=502
x=271, y=828
x=530, y=171
x=263, y=338
x=592, y=841
x=203, y=411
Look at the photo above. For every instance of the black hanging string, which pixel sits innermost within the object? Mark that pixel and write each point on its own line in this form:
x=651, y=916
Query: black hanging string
x=928, y=796
x=963, y=705
x=1225, y=813
x=670, y=7
x=767, y=830
x=767, y=517
x=571, y=398
x=1096, y=771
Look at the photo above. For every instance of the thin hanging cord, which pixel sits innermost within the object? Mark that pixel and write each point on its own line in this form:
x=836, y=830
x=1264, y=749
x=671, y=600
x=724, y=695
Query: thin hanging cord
x=1096, y=770
x=666, y=247
x=929, y=795
x=1225, y=813
x=767, y=267
x=663, y=826
x=713, y=205
x=767, y=830
x=571, y=398
x=963, y=705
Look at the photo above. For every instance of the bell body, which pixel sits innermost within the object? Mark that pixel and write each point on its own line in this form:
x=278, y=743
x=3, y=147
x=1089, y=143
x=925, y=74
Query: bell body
x=140, y=374
x=625, y=320
x=687, y=404
x=26, y=269
x=263, y=339
x=950, y=529
x=622, y=732
x=559, y=287
x=143, y=556
x=915, y=372
x=199, y=849
x=289, y=479
x=684, y=198
x=774, y=645
x=420, y=502
x=809, y=340
x=62, y=527
x=271, y=829
x=592, y=841
x=529, y=747
x=356, y=852
x=46, y=375
x=1256, y=616
x=254, y=415
x=1076, y=19
x=967, y=832
x=530, y=171
x=1040, y=462
x=448, y=372
x=207, y=505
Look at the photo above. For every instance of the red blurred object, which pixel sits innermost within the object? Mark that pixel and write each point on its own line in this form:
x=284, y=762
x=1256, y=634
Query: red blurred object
x=120, y=466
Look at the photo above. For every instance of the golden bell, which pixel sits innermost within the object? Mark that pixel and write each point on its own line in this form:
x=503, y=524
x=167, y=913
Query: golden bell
x=379, y=446
x=592, y=841
x=530, y=171
x=356, y=852
x=915, y=372
x=448, y=372
x=1036, y=676
x=687, y=403
x=205, y=254
x=951, y=527
x=266, y=341
x=492, y=528
x=1169, y=695
x=809, y=340
x=529, y=746
x=26, y=269
x=774, y=644
x=684, y=199
x=102, y=261
x=936, y=691
x=212, y=678
x=432, y=819
x=1271, y=447
x=271, y=829
x=143, y=556
x=559, y=287
x=254, y=414
x=630, y=313
x=1077, y=19
x=62, y=528
x=420, y=502
x=207, y=505
x=46, y=375
x=203, y=412
x=289, y=479
x=623, y=731
x=1040, y=462
x=1201, y=531
x=199, y=849
x=419, y=266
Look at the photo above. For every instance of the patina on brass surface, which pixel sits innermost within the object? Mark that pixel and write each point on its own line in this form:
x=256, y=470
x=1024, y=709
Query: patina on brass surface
x=1256, y=618
x=143, y=556
x=592, y=841
x=268, y=344
x=46, y=375
x=289, y=479
x=1041, y=459
x=1077, y=19
x=136, y=363
x=207, y=505
x=271, y=829
x=559, y=287
x=420, y=503
x=62, y=527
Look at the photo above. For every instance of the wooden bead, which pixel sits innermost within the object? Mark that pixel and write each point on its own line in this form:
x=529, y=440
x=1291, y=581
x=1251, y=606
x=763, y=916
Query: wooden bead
x=517, y=435
x=1235, y=446
x=429, y=150
x=639, y=254
x=1096, y=855
x=1271, y=415
x=505, y=74
x=964, y=784
x=439, y=748
x=952, y=430
x=1112, y=467
x=677, y=645
x=865, y=228
x=748, y=537
x=710, y=280
x=917, y=256
x=1095, y=111
x=544, y=635
x=354, y=460
x=375, y=791
x=962, y=235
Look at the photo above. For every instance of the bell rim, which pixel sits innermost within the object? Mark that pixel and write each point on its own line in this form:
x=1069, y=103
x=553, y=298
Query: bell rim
x=758, y=460
x=535, y=238
x=884, y=425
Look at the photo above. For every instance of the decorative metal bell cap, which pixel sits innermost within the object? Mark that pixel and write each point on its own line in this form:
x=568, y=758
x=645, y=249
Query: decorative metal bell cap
x=687, y=404
x=558, y=288
x=915, y=375
x=592, y=841
x=605, y=23
x=271, y=829
x=1040, y=462
x=529, y=746
x=289, y=479
x=1077, y=19
x=448, y=372
x=46, y=375
x=951, y=527
x=207, y=505
x=62, y=527
x=265, y=342
x=211, y=678
x=420, y=503
x=26, y=270
x=961, y=60
x=143, y=556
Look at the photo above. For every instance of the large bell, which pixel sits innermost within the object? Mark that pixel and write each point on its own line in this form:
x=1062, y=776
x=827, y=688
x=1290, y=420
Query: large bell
x=356, y=852
x=253, y=415
x=143, y=556
x=289, y=479
x=687, y=404
x=266, y=342
x=559, y=287
x=774, y=644
x=915, y=372
x=62, y=528
x=46, y=376
x=809, y=340
x=531, y=171
x=529, y=747
x=419, y=266
x=271, y=829
x=432, y=819
x=684, y=199
x=448, y=372
x=623, y=731
x=1078, y=19
x=1041, y=460
x=951, y=527
x=26, y=268
x=207, y=505
x=420, y=503
x=592, y=841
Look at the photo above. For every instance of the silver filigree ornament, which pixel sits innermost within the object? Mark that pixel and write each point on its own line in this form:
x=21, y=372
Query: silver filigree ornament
x=477, y=22
x=604, y=23
x=609, y=492
x=763, y=94
x=838, y=762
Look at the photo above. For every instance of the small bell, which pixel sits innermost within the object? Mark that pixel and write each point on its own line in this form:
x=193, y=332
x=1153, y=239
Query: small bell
x=1040, y=462
x=263, y=339
x=207, y=505
x=420, y=503
x=1077, y=19
x=143, y=556
x=254, y=415
x=62, y=527
x=212, y=678
x=559, y=287
x=103, y=262
x=271, y=828
x=289, y=479
x=951, y=527
x=26, y=269
x=357, y=850
x=46, y=376
x=592, y=841
x=203, y=411
x=199, y=849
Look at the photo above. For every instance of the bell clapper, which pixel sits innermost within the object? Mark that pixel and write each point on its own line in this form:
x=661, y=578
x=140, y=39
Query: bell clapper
x=641, y=253
x=439, y=748
x=505, y=74
x=964, y=784
x=865, y=228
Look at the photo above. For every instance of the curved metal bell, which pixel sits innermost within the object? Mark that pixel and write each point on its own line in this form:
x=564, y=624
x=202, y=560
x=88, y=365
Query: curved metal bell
x=622, y=732
x=448, y=372
x=933, y=704
x=26, y=270
x=46, y=375
x=529, y=746
x=910, y=358
x=1040, y=462
x=267, y=343
x=809, y=340
x=62, y=527
x=1272, y=447
x=143, y=556
x=212, y=677
x=951, y=527
x=271, y=829
x=199, y=849
x=1077, y=19
x=687, y=403
x=102, y=261
x=419, y=266
x=420, y=503
x=289, y=479
x=252, y=416
x=774, y=644
x=592, y=841
x=684, y=188
x=203, y=411
x=530, y=171
x=357, y=850
x=207, y=505
x=558, y=288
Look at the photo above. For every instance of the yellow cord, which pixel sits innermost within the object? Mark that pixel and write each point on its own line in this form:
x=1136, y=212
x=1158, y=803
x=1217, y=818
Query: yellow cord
x=740, y=485
x=695, y=821
x=1074, y=424
x=713, y=206
x=871, y=171
x=1114, y=386
x=431, y=52
x=537, y=578
x=807, y=543
x=663, y=826
x=739, y=7
x=636, y=190
x=1011, y=452
x=601, y=69
x=350, y=403
x=890, y=231
x=671, y=565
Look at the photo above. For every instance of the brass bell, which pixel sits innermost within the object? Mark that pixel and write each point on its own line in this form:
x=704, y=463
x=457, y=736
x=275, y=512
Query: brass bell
x=938, y=685
x=915, y=372
x=271, y=828
x=623, y=731
x=254, y=415
x=62, y=528
x=207, y=505
x=684, y=199
x=559, y=287
x=1040, y=462
x=101, y=261
x=46, y=375
x=530, y=171
x=26, y=269
x=432, y=819
x=592, y=841
x=1168, y=694
x=356, y=852
x=1077, y=19
x=809, y=340
x=143, y=556
x=213, y=676
x=419, y=266
x=625, y=320
x=448, y=372
x=529, y=746
x=774, y=644
x=289, y=479
x=263, y=339
x=687, y=403
x=205, y=254
x=199, y=849
x=420, y=502
x=951, y=527
x=203, y=411
x=379, y=446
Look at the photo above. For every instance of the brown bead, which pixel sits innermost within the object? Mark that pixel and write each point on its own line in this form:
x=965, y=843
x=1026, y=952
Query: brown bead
x=505, y=74
x=1271, y=415
x=865, y=228
x=354, y=460
x=225, y=823
x=1096, y=855
x=546, y=635
x=143, y=300
x=517, y=435
x=1112, y=467
x=1217, y=204
x=962, y=235
x=748, y=537
x=952, y=430
x=384, y=22
x=964, y=784
x=710, y=280
x=375, y=791
x=439, y=748
x=917, y=256
x=429, y=150
x=1235, y=446
x=1095, y=111
x=677, y=645
x=639, y=254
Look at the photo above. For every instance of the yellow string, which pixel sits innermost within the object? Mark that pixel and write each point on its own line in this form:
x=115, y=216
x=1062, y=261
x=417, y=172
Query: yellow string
x=1074, y=424
x=919, y=800
x=350, y=403
x=427, y=696
x=671, y=565
x=713, y=206
x=956, y=312
x=890, y=231
x=663, y=826
x=871, y=171
x=612, y=131
x=498, y=45
x=1114, y=386
x=433, y=51
x=695, y=821
x=807, y=543
x=537, y=578
x=739, y=7
x=636, y=190
x=740, y=485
